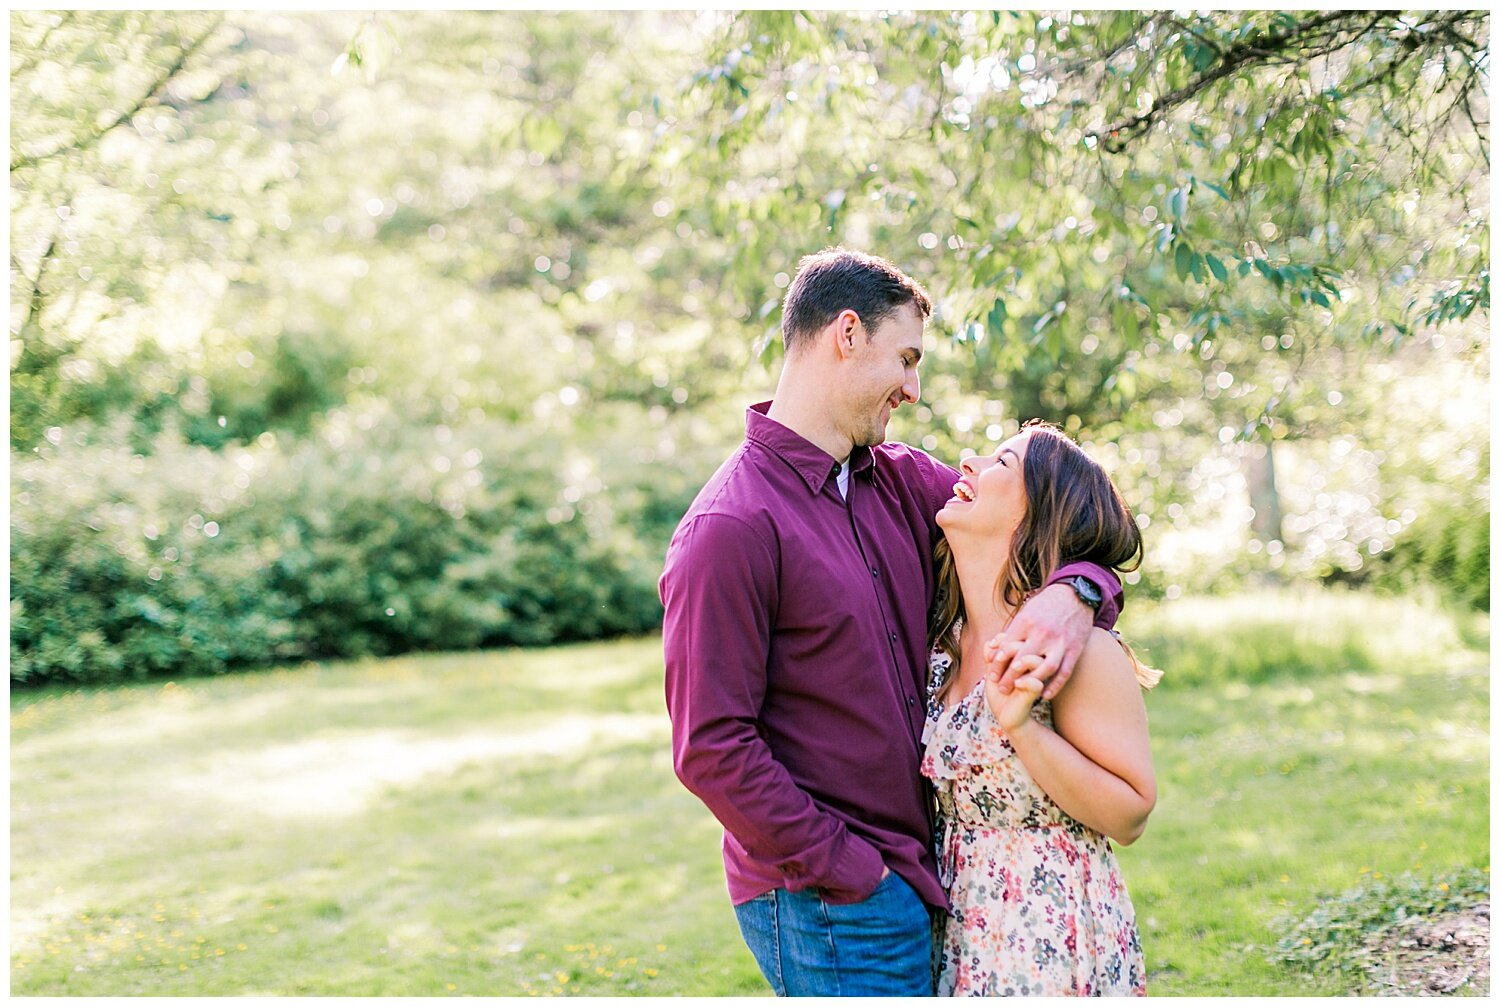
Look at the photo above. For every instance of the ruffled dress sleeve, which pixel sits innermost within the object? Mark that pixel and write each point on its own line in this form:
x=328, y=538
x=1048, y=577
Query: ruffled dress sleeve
x=960, y=740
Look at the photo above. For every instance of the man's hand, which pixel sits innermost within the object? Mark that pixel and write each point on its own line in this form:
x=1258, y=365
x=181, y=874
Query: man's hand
x=1051, y=629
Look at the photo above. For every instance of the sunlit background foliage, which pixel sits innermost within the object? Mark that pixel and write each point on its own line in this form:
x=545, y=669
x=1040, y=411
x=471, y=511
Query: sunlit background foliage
x=336, y=334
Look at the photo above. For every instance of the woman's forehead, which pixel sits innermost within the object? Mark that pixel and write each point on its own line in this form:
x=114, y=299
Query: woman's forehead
x=1016, y=443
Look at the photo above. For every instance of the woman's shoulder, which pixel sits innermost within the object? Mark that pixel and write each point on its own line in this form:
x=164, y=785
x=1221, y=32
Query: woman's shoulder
x=1103, y=663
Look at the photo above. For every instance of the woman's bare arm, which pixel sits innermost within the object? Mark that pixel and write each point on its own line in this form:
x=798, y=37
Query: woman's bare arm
x=1096, y=765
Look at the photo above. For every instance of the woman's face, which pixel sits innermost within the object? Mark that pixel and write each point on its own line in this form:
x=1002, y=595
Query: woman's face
x=990, y=499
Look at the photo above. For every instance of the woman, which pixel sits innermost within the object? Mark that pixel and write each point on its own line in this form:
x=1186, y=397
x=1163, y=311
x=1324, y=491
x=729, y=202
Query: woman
x=1027, y=789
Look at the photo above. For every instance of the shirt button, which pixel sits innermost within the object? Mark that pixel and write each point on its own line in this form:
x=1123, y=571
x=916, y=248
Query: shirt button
x=910, y=701
x=893, y=637
x=874, y=572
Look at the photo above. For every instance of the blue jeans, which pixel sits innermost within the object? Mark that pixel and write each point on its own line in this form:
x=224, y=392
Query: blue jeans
x=806, y=947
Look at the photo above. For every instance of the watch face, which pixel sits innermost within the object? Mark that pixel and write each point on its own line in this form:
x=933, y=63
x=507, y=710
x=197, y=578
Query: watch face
x=1086, y=590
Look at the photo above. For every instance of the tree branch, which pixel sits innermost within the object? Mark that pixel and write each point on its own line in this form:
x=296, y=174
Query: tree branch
x=1257, y=49
x=154, y=94
x=34, y=302
x=40, y=48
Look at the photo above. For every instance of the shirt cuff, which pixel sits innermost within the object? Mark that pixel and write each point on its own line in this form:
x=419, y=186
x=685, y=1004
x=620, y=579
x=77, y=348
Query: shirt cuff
x=853, y=870
x=1109, y=587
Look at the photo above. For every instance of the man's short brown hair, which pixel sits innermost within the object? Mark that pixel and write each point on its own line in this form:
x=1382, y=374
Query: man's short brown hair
x=837, y=278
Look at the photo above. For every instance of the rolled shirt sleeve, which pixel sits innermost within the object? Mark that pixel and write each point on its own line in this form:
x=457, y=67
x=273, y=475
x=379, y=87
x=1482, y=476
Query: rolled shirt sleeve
x=719, y=589
x=1108, y=584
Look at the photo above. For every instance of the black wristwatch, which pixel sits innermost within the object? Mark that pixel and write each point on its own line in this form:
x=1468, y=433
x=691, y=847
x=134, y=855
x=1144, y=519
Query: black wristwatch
x=1086, y=591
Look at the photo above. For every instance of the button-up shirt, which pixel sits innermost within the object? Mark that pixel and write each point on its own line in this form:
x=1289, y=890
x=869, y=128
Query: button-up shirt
x=795, y=639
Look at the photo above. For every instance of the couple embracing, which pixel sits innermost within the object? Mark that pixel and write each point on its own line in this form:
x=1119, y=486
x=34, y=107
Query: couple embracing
x=895, y=685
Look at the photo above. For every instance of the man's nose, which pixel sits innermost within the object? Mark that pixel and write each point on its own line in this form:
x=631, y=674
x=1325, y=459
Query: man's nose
x=911, y=389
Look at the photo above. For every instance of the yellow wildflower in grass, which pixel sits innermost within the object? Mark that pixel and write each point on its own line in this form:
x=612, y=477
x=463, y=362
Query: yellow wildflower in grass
x=1442, y=886
x=451, y=987
x=239, y=947
x=1285, y=878
x=1365, y=870
x=650, y=973
x=661, y=947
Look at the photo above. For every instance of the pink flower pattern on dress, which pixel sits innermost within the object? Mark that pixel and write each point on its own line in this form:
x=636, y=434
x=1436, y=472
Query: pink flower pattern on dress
x=1039, y=906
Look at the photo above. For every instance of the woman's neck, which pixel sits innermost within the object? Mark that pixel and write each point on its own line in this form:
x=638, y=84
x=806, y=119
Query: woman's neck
x=978, y=566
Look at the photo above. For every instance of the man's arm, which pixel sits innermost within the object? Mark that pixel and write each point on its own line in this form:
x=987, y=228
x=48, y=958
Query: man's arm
x=720, y=593
x=1049, y=632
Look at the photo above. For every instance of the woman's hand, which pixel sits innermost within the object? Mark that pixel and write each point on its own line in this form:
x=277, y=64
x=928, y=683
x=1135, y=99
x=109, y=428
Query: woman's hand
x=1052, y=627
x=1013, y=710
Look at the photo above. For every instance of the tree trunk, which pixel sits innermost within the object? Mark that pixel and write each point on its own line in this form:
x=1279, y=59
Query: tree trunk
x=1260, y=478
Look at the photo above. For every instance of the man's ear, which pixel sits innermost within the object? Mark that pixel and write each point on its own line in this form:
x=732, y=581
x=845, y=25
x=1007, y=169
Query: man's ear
x=848, y=332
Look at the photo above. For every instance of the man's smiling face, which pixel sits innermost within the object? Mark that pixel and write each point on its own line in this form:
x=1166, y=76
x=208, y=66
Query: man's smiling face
x=887, y=375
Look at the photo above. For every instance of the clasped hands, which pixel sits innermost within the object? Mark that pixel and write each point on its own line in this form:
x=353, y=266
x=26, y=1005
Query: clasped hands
x=1034, y=656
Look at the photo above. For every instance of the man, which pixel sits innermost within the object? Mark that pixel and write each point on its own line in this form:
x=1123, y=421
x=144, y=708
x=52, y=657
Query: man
x=797, y=589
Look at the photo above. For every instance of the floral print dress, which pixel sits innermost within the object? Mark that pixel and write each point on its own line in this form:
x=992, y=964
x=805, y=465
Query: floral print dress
x=1039, y=907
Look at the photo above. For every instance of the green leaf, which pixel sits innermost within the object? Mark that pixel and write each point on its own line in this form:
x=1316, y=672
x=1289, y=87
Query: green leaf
x=995, y=320
x=1183, y=260
x=1177, y=202
x=1244, y=267
x=1217, y=268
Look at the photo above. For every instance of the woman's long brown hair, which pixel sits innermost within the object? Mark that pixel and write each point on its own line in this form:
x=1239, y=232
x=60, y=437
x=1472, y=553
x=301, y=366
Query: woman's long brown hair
x=1074, y=514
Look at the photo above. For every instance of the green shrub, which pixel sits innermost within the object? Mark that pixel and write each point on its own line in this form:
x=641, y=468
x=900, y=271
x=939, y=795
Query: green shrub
x=191, y=561
x=1448, y=548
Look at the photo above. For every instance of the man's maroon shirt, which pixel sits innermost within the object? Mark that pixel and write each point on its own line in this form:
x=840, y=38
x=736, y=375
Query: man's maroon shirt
x=796, y=652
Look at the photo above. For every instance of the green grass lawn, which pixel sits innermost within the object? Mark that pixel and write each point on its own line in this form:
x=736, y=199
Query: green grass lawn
x=507, y=823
